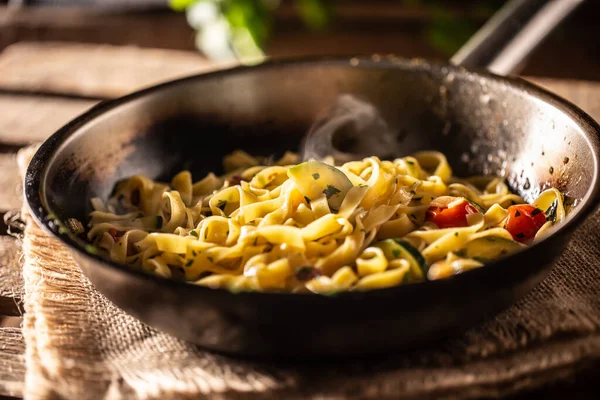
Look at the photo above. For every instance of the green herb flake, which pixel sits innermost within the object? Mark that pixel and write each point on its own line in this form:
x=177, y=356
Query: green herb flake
x=536, y=212
x=222, y=204
x=552, y=211
x=410, y=162
x=331, y=191
x=551, y=170
x=307, y=200
x=316, y=176
x=159, y=222
x=396, y=253
x=413, y=216
x=91, y=249
x=195, y=234
x=417, y=198
x=194, y=253
x=189, y=263
x=455, y=234
x=210, y=259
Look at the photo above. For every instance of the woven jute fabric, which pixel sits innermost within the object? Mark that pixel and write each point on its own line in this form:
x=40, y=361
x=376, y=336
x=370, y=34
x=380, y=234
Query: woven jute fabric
x=80, y=346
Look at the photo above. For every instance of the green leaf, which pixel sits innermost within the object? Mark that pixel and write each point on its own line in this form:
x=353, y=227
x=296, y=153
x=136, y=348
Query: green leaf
x=180, y=5
x=316, y=14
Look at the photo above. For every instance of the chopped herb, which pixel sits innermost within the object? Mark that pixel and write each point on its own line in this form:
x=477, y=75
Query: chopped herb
x=120, y=243
x=159, y=222
x=194, y=253
x=396, y=180
x=307, y=200
x=413, y=216
x=255, y=241
x=520, y=235
x=331, y=191
x=552, y=211
x=551, y=170
x=517, y=213
x=363, y=185
x=194, y=233
x=210, y=259
x=413, y=192
x=417, y=198
x=455, y=234
x=535, y=212
x=189, y=263
x=222, y=204
x=316, y=176
x=306, y=273
x=91, y=249
x=396, y=253
x=410, y=162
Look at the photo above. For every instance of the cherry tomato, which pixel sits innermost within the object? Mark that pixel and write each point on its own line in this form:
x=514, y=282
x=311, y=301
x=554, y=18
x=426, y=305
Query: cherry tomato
x=451, y=217
x=524, y=221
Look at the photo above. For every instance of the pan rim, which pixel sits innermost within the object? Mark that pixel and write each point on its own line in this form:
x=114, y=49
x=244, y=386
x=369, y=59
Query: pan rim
x=35, y=177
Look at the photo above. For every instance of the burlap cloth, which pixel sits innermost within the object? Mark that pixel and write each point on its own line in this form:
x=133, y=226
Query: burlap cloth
x=80, y=346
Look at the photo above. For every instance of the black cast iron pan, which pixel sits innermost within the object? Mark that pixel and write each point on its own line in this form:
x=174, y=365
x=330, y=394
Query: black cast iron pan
x=483, y=122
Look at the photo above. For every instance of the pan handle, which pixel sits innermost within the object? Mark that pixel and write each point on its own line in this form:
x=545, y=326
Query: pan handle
x=505, y=41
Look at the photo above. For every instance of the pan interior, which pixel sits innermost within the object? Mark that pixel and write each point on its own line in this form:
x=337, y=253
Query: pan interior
x=483, y=125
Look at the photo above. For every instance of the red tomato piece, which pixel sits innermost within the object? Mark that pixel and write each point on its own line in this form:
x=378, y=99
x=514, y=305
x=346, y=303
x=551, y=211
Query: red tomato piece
x=451, y=217
x=524, y=220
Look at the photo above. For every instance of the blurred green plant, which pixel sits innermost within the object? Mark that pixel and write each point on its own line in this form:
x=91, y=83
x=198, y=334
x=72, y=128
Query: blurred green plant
x=227, y=29
x=239, y=29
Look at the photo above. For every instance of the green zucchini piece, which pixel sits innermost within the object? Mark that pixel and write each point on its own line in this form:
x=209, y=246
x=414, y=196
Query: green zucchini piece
x=314, y=179
x=490, y=248
x=399, y=248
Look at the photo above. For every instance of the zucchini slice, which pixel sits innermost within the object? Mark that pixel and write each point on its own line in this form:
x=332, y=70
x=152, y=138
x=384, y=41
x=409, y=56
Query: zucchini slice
x=489, y=248
x=399, y=248
x=314, y=179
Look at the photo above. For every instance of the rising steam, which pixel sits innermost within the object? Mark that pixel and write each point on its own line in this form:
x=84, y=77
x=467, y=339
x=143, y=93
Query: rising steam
x=352, y=129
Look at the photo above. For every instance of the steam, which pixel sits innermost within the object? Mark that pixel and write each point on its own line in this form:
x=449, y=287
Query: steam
x=352, y=129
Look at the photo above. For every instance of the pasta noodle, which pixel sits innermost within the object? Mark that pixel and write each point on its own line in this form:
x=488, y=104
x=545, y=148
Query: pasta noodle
x=317, y=227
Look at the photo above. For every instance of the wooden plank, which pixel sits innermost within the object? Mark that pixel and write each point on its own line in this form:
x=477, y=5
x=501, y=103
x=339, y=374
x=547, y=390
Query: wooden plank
x=11, y=192
x=27, y=119
x=585, y=94
x=93, y=70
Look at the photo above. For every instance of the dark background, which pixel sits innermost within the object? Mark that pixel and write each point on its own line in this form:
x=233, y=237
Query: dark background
x=412, y=28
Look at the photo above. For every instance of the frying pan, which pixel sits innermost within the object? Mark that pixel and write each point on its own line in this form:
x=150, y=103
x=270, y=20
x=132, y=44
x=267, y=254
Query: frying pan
x=483, y=122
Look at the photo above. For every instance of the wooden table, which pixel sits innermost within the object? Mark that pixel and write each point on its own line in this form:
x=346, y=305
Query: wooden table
x=42, y=86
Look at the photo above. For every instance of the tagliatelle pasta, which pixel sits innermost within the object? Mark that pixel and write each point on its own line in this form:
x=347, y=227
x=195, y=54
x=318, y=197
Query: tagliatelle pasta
x=316, y=227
